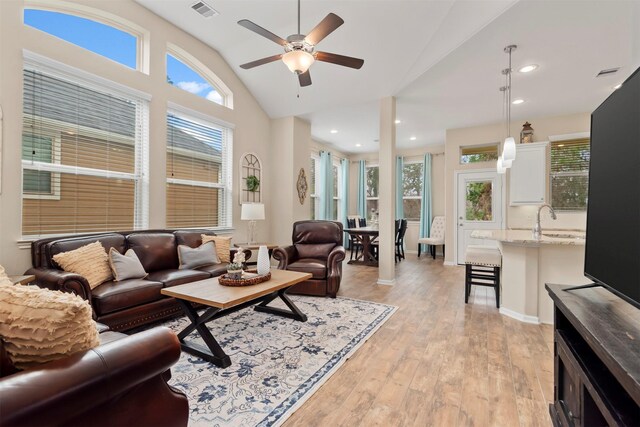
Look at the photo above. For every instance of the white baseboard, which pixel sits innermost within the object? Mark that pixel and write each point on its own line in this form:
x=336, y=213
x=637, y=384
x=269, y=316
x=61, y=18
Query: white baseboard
x=386, y=282
x=518, y=316
x=450, y=263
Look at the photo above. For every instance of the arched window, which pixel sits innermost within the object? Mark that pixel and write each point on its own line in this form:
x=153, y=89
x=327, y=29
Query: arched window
x=187, y=73
x=105, y=40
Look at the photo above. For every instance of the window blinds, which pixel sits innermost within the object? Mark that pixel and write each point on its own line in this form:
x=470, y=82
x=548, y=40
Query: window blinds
x=570, y=174
x=198, y=173
x=82, y=156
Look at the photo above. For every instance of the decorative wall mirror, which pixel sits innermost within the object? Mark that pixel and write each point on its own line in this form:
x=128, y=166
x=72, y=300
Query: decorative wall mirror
x=250, y=179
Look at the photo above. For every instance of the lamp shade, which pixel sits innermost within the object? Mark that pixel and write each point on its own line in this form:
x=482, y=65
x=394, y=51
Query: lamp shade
x=298, y=61
x=509, y=150
x=252, y=211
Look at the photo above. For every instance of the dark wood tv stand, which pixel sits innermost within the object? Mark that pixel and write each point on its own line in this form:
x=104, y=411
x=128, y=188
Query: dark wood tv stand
x=597, y=359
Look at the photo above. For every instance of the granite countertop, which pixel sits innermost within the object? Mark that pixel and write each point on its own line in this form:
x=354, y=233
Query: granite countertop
x=524, y=237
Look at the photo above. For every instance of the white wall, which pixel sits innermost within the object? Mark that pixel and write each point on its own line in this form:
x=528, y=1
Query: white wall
x=252, y=125
x=516, y=217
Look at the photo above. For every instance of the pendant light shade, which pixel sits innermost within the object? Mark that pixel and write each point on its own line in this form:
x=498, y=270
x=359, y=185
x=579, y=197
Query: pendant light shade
x=509, y=150
x=509, y=146
x=298, y=61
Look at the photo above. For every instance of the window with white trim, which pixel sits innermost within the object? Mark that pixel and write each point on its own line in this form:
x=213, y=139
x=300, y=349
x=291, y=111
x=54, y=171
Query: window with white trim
x=183, y=76
x=372, y=173
x=569, y=174
x=84, y=151
x=313, y=198
x=412, y=190
x=337, y=191
x=105, y=40
x=198, y=173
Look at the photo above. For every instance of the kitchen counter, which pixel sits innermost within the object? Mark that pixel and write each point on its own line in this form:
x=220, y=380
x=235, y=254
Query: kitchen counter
x=525, y=237
x=528, y=263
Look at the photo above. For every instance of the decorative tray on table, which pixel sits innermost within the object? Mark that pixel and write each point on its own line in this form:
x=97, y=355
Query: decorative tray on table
x=250, y=277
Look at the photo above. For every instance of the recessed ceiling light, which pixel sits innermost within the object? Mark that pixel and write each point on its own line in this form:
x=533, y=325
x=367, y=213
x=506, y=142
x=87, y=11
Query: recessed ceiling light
x=398, y=121
x=413, y=138
x=528, y=68
x=358, y=145
x=333, y=131
x=517, y=101
x=616, y=87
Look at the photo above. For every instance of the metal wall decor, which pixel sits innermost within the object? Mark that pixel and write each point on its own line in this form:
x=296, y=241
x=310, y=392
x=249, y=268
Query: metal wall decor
x=250, y=179
x=301, y=186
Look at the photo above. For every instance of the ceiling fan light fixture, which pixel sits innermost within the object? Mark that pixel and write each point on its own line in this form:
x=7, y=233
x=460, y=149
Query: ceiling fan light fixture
x=298, y=61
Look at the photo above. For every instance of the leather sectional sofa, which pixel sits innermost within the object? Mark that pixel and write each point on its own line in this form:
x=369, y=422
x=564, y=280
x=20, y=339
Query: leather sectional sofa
x=122, y=382
x=129, y=303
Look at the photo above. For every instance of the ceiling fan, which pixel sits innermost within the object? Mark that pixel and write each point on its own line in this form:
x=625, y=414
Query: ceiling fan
x=300, y=50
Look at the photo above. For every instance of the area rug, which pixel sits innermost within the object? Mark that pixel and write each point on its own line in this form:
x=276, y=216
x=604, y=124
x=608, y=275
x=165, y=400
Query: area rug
x=277, y=363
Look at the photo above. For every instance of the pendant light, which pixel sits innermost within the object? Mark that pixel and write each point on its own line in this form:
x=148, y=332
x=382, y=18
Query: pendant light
x=509, y=146
x=500, y=166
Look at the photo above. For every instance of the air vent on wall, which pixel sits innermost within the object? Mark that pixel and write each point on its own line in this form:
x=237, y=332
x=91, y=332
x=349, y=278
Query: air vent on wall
x=608, y=72
x=204, y=9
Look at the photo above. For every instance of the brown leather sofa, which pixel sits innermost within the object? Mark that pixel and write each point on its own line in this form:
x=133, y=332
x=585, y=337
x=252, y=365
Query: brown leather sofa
x=122, y=382
x=129, y=303
x=317, y=249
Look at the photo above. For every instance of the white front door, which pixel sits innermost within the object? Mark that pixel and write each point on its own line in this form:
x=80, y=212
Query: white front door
x=478, y=207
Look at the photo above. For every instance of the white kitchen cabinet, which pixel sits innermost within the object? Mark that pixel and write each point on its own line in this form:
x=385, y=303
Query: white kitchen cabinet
x=528, y=174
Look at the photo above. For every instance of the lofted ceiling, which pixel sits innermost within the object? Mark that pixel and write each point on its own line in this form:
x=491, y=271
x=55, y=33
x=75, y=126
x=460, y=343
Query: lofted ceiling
x=440, y=58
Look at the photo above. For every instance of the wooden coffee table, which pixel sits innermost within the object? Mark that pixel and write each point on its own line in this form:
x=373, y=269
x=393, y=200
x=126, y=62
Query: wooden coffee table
x=223, y=300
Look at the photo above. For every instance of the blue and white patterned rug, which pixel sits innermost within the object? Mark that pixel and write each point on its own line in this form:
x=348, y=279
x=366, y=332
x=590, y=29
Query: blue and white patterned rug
x=276, y=363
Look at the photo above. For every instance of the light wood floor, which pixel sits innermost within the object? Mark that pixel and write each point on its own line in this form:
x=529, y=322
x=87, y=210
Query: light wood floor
x=437, y=361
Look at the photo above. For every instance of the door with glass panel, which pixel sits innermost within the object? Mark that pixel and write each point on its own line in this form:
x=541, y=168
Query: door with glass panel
x=479, y=207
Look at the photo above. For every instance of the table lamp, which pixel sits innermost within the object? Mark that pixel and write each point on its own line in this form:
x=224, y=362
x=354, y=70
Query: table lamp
x=252, y=212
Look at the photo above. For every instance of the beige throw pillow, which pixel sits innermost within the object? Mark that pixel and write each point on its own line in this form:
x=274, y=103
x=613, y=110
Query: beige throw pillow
x=89, y=261
x=39, y=325
x=127, y=266
x=223, y=246
x=4, y=279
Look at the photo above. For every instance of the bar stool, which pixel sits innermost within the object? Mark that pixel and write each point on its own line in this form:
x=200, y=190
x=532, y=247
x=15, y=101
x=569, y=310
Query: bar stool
x=482, y=269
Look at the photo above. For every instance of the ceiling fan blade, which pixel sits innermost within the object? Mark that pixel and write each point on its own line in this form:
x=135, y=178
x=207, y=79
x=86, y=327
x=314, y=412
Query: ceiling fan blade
x=345, y=61
x=304, y=79
x=263, y=32
x=324, y=28
x=261, y=61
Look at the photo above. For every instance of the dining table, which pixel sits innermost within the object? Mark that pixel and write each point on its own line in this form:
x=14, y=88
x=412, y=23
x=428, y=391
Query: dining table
x=366, y=235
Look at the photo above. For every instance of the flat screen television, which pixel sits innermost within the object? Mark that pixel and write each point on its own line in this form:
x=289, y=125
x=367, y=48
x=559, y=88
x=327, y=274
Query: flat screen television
x=612, y=256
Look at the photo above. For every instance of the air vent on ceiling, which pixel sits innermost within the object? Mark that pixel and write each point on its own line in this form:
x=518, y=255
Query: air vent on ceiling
x=204, y=9
x=608, y=72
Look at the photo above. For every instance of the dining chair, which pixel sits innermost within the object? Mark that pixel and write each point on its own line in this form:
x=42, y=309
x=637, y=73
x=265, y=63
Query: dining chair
x=401, y=230
x=436, y=237
x=354, y=241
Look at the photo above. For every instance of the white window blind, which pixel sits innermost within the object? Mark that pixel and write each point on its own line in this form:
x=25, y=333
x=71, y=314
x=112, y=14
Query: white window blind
x=570, y=174
x=83, y=151
x=198, y=173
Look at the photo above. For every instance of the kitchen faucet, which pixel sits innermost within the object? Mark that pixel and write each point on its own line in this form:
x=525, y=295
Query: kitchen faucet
x=537, y=229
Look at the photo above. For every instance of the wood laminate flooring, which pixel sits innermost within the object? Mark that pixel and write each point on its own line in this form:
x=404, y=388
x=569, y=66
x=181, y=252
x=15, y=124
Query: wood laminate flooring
x=437, y=361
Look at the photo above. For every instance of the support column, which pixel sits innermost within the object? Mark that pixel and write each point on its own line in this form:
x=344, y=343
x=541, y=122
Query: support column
x=387, y=192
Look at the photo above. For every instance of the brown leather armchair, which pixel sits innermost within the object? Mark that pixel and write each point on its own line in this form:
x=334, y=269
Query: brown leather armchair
x=122, y=382
x=316, y=249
